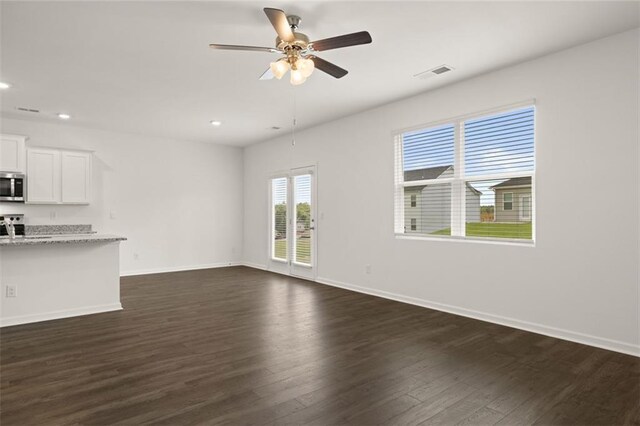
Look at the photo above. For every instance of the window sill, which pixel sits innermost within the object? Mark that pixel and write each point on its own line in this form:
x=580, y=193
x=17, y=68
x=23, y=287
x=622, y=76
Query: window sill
x=480, y=240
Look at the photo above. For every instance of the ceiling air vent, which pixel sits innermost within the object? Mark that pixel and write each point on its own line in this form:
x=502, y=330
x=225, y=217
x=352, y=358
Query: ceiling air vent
x=433, y=72
x=23, y=109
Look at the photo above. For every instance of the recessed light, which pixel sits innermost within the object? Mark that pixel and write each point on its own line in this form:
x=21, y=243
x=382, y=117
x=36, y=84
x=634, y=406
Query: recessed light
x=216, y=123
x=63, y=116
x=4, y=85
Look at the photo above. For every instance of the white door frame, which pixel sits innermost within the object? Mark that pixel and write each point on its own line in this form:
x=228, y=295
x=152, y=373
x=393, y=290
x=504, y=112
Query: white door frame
x=289, y=266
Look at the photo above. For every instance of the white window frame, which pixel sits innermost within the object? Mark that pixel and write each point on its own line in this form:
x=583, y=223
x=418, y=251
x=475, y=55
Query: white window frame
x=413, y=200
x=505, y=202
x=414, y=224
x=459, y=180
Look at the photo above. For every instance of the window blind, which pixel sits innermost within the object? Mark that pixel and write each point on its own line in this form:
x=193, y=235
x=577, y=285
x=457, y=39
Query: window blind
x=468, y=178
x=302, y=201
x=279, y=226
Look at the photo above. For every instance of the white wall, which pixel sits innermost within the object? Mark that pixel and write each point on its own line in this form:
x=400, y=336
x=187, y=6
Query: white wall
x=179, y=203
x=579, y=282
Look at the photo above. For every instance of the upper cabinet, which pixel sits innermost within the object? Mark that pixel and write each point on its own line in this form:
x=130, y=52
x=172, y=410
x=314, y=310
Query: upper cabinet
x=12, y=153
x=76, y=176
x=57, y=176
x=43, y=176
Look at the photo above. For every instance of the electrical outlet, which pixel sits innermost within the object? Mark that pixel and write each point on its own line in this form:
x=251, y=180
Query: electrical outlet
x=112, y=215
x=135, y=256
x=12, y=291
x=52, y=215
x=367, y=269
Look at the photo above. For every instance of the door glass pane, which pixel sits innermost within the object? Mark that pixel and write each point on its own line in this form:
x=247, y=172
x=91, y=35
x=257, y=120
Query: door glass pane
x=279, y=215
x=302, y=200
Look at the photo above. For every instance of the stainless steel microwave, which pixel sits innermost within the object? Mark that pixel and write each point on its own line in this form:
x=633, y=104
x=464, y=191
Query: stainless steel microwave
x=12, y=187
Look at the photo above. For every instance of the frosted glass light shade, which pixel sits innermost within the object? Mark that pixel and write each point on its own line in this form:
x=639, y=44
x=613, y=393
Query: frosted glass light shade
x=279, y=68
x=306, y=66
x=297, y=77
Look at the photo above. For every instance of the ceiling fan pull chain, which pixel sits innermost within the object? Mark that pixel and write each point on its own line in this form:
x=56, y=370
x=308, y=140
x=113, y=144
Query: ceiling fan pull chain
x=294, y=122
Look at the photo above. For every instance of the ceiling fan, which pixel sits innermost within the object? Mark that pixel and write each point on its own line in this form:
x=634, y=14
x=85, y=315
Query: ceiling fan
x=299, y=53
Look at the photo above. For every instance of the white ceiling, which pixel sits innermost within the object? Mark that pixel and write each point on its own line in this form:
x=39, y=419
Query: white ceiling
x=145, y=67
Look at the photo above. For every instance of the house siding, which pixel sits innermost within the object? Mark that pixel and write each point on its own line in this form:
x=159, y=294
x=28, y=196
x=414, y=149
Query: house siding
x=513, y=215
x=472, y=203
x=412, y=212
x=433, y=208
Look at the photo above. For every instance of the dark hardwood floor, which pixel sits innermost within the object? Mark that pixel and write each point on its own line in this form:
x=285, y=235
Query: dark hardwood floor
x=242, y=346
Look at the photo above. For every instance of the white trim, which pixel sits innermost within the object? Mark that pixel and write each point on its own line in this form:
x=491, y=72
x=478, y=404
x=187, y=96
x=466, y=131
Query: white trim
x=254, y=265
x=178, y=268
x=558, y=333
x=47, y=316
x=483, y=240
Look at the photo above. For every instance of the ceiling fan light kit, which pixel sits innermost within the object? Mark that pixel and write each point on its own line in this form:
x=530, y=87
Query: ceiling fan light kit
x=299, y=53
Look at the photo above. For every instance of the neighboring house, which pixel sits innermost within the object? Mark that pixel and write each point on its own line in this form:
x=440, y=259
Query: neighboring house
x=427, y=208
x=513, y=200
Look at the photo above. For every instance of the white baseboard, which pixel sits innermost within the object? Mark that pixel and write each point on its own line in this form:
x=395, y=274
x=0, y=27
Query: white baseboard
x=254, y=265
x=586, y=339
x=47, y=316
x=178, y=268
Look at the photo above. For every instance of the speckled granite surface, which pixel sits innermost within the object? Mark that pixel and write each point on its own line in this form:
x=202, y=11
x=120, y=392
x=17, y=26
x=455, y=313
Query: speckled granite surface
x=59, y=239
x=57, y=229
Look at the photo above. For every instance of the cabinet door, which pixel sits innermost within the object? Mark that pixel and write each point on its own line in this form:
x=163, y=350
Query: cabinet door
x=43, y=176
x=12, y=153
x=76, y=177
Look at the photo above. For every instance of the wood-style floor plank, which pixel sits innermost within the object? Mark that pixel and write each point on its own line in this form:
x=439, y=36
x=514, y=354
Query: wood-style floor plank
x=242, y=346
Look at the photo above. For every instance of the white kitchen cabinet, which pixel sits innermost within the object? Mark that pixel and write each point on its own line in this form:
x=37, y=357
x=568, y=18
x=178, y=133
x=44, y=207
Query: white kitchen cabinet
x=43, y=176
x=76, y=177
x=12, y=153
x=56, y=176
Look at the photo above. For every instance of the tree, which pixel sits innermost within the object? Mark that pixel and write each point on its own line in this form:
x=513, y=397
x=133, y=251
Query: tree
x=281, y=219
x=303, y=214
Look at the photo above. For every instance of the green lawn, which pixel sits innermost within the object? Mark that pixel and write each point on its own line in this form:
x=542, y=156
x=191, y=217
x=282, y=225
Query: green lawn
x=496, y=230
x=303, y=249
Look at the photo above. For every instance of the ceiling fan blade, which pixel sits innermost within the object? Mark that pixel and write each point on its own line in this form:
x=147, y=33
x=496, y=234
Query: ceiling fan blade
x=246, y=48
x=267, y=75
x=279, y=21
x=328, y=67
x=354, y=39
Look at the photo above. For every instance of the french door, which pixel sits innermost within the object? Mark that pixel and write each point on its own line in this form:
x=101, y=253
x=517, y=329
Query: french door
x=292, y=236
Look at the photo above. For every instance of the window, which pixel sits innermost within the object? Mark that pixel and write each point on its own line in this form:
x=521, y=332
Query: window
x=507, y=201
x=279, y=243
x=473, y=177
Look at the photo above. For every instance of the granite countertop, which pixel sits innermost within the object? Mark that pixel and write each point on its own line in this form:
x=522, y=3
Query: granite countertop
x=59, y=239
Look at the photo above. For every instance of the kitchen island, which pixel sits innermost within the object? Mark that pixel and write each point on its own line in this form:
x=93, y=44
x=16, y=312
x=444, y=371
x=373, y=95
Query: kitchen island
x=46, y=277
